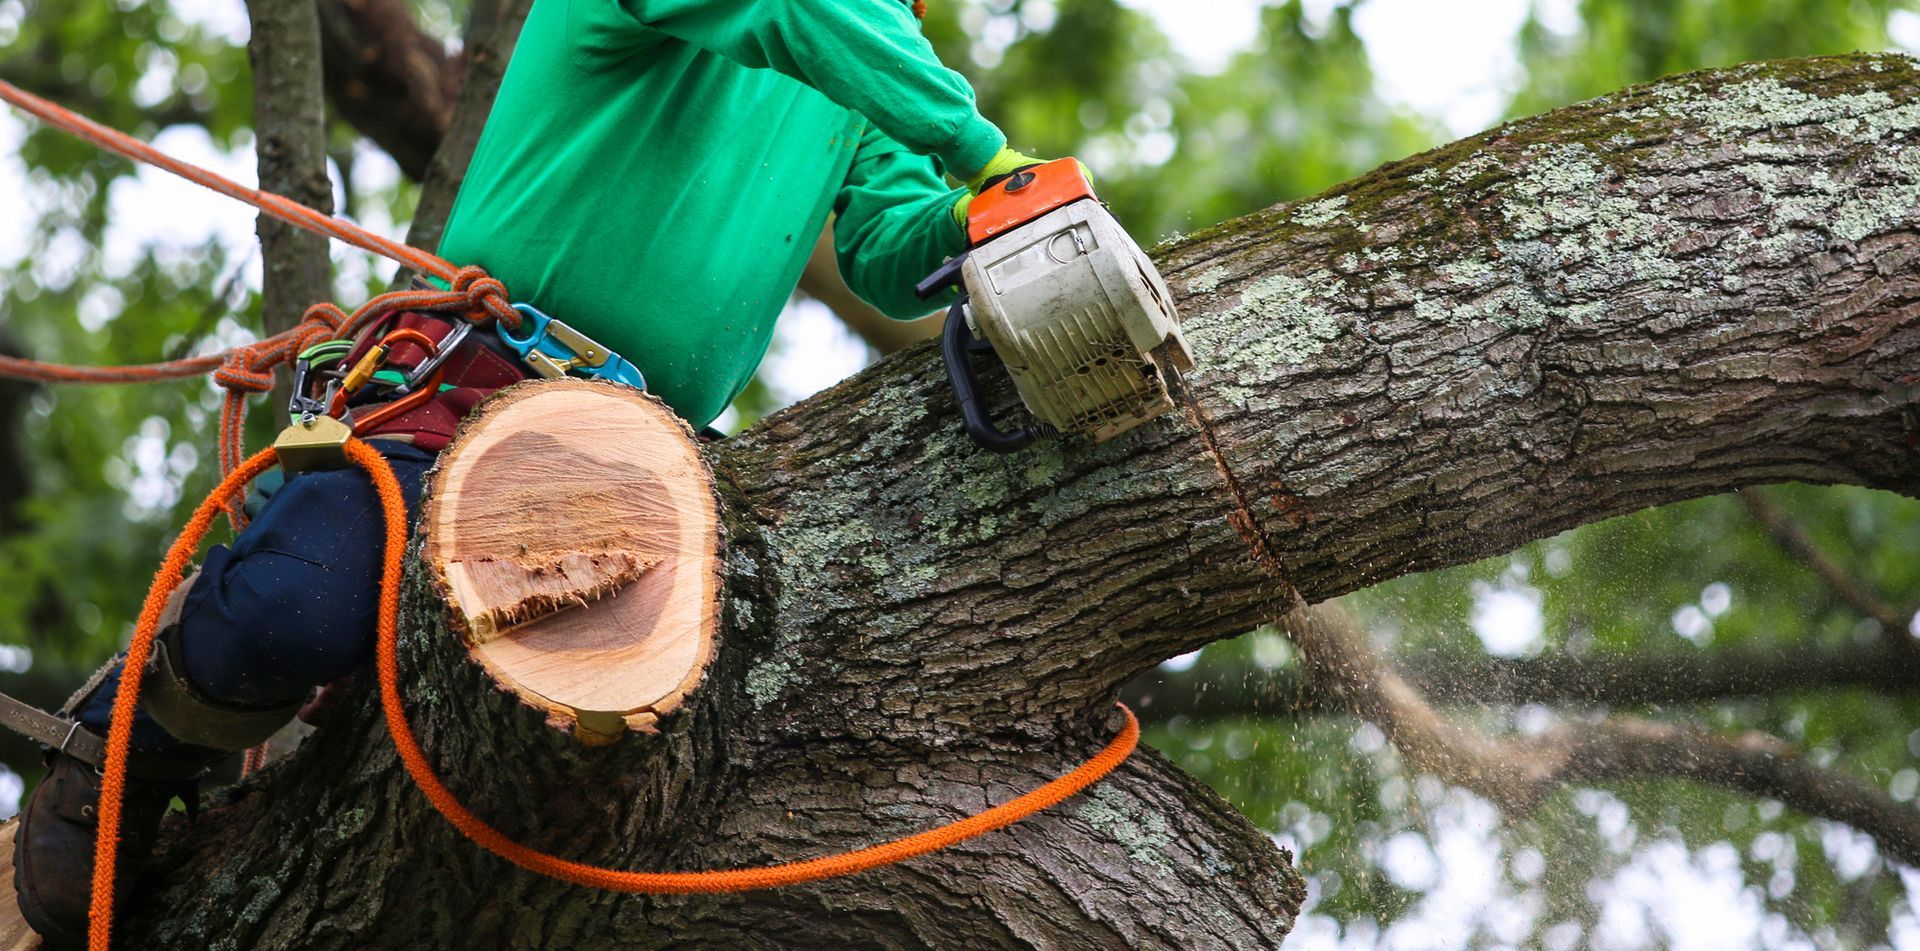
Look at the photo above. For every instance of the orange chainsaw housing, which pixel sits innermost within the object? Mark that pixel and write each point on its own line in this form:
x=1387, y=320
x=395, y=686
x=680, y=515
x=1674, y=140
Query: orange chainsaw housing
x=1023, y=196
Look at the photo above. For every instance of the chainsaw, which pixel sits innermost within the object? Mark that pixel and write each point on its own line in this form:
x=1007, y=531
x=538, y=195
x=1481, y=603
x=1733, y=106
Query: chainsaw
x=1074, y=309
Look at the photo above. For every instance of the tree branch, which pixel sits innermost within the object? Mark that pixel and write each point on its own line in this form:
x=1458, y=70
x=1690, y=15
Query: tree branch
x=1561, y=320
x=822, y=281
x=289, y=123
x=1795, y=541
x=1517, y=775
x=492, y=28
x=37, y=71
x=390, y=79
x=1608, y=679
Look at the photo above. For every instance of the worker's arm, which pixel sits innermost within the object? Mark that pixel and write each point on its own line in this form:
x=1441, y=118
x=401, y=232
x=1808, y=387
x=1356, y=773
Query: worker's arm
x=866, y=55
x=894, y=225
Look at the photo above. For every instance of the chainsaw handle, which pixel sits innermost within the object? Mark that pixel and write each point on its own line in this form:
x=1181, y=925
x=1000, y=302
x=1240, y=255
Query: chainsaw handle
x=956, y=345
x=947, y=275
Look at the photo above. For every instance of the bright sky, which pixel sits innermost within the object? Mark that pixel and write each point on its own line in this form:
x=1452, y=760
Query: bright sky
x=1452, y=60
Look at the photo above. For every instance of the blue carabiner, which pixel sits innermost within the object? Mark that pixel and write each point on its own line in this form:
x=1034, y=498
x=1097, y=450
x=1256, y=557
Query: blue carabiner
x=554, y=350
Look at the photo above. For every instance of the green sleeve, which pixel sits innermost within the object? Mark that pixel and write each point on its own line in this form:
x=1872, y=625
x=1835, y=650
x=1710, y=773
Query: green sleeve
x=894, y=226
x=866, y=55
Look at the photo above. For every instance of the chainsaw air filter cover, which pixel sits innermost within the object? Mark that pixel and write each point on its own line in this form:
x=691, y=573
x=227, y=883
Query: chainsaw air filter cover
x=1080, y=317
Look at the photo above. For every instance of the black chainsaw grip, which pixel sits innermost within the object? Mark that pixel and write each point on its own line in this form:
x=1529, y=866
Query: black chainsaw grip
x=956, y=342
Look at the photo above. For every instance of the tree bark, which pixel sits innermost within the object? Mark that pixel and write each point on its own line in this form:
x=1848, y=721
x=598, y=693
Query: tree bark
x=290, y=131
x=1676, y=290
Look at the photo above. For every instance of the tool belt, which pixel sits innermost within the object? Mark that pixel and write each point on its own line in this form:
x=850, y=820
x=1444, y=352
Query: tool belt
x=475, y=365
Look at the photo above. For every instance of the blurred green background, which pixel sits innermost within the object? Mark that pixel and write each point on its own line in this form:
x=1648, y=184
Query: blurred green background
x=94, y=480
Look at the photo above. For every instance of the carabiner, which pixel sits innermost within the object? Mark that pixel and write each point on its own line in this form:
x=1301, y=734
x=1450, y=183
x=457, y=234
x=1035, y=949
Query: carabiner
x=553, y=349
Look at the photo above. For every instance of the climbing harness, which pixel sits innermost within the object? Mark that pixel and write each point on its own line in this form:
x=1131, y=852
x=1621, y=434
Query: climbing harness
x=423, y=368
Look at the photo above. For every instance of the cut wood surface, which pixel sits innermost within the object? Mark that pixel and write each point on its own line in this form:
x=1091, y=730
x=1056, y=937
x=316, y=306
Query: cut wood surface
x=574, y=530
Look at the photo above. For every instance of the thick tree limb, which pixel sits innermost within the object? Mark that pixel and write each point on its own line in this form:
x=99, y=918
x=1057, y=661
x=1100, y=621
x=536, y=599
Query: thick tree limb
x=1562, y=320
x=1679, y=290
x=1607, y=679
x=388, y=78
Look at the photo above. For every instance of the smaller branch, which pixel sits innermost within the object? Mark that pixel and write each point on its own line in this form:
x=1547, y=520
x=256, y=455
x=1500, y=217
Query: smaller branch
x=1755, y=763
x=219, y=305
x=1518, y=775
x=34, y=71
x=1613, y=680
x=289, y=120
x=1791, y=537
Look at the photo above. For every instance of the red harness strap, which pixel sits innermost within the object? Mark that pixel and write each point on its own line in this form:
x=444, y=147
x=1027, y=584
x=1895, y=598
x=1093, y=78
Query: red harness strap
x=468, y=375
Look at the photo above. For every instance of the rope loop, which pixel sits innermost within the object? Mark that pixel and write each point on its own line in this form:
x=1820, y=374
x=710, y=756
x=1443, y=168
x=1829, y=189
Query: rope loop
x=486, y=295
x=322, y=322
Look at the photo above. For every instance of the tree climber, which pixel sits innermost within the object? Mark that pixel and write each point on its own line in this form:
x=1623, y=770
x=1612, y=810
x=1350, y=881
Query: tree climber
x=653, y=174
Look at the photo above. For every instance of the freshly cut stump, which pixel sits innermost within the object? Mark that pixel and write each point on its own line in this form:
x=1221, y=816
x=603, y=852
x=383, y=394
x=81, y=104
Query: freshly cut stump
x=574, y=532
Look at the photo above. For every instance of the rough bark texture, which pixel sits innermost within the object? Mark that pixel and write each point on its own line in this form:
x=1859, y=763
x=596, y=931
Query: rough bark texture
x=289, y=121
x=1677, y=290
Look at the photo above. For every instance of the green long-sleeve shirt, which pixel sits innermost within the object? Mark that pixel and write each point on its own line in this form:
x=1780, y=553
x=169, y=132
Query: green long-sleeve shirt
x=654, y=172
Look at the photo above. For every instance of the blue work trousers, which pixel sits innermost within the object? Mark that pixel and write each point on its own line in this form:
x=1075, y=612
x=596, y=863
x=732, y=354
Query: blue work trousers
x=292, y=604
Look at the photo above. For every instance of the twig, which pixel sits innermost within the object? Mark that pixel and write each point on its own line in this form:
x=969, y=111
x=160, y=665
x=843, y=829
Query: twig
x=1792, y=538
x=217, y=306
x=1518, y=775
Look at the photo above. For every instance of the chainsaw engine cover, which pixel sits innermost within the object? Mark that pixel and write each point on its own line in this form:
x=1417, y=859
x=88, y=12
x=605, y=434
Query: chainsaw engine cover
x=1080, y=317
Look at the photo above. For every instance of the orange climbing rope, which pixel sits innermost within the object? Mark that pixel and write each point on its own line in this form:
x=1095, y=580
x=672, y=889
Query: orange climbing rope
x=393, y=506
x=249, y=369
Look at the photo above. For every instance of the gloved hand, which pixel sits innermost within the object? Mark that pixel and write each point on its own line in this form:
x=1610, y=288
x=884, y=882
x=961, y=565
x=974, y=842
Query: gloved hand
x=1004, y=162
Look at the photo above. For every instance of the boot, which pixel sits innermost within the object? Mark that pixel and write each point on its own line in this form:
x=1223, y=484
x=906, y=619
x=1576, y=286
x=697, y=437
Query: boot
x=53, y=849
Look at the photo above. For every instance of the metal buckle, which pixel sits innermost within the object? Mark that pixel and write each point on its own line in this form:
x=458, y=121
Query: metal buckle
x=72, y=729
x=441, y=351
x=302, y=403
x=553, y=349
